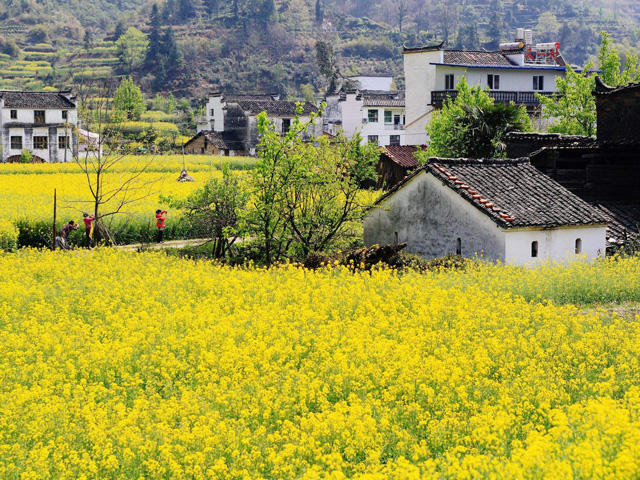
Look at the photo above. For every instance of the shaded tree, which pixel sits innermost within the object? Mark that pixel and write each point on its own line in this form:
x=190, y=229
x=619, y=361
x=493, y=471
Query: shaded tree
x=128, y=102
x=473, y=126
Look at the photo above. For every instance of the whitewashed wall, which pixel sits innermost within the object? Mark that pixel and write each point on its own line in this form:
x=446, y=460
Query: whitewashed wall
x=554, y=244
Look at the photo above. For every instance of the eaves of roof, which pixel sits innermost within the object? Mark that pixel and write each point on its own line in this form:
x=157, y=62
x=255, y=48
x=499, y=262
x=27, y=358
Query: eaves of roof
x=506, y=67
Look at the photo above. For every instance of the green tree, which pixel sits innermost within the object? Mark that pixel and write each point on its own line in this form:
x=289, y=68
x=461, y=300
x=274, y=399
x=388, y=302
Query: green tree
x=319, y=11
x=131, y=48
x=327, y=64
x=573, y=108
x=217, y=212
x=473, y=126
x=128, y=102
x=613, y=72
x=305, y=192
x=155, y=40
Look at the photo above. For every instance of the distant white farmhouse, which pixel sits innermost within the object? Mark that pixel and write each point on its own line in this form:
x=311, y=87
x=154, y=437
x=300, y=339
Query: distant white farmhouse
x=43, y=123
x=512, y=74
x=380, y=82
x=503, y=210
x=236, y=117
x=378, y=115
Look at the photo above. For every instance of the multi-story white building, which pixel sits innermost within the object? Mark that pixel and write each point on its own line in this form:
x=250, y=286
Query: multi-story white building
x=43, y=123
x=378, y=116
x=515, y=73
x=236, y=117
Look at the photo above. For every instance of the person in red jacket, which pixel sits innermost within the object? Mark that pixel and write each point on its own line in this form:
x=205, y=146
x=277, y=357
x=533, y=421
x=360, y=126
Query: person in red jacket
x=161, y=216
x=88, y=227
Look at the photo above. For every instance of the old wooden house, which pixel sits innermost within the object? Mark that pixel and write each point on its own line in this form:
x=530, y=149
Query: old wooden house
x=396, y=162
x=603, y=170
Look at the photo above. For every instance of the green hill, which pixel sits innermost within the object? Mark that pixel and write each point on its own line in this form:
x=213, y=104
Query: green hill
x=269, y=45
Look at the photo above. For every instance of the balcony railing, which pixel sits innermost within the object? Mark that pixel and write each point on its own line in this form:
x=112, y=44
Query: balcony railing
x=519, y=98
x=393, y=126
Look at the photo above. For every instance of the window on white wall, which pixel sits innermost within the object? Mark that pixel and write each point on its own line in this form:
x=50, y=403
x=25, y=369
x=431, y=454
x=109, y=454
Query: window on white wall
x=493, y=81
x=578, y=246
x=388, y=116
x=449, y=82
x=534, y=249
x=459, y=247
x=394, y=140
x=373, y=139
x=372, y=116
x=538, y=82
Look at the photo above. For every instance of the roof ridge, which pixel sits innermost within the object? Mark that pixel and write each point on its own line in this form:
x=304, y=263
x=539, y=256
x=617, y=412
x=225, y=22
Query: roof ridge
x=478, y=161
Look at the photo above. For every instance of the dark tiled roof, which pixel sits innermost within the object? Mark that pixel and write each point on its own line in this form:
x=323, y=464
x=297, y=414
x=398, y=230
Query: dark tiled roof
x=375, y=98
x=513, y=193
x=547, y=137
x=470, y=57
x=604, y=89
x=275, y=108
x=426, y=48
x=251, y=96
x=222, y=140
x=624, y=220
x=402, y=155
x=35, y=100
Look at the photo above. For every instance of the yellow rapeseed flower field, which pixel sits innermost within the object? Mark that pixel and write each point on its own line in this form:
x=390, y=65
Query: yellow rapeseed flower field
x=116, y=365
x=27, y=190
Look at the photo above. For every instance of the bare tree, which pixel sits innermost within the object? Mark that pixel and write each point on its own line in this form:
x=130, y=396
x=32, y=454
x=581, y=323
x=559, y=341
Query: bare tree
x=112, y=187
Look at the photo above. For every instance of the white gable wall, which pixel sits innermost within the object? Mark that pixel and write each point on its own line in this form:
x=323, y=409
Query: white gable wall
x=215, y=114
x=430, y=217
x=554, y=244
x=420, y=80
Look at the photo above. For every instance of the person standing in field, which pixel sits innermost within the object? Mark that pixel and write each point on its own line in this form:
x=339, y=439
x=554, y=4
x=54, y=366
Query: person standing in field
x=161, y=216
x=88, y=227
x=63, y=238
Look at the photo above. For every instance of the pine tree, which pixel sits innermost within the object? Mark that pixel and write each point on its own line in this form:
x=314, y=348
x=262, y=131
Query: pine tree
x=153, y=52
x=493, y=32
x=319, y=11
x=170, y=51
x=186, y=10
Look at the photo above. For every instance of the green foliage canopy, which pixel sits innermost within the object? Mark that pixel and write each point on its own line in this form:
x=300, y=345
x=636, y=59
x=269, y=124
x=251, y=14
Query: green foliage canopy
x=472, y=126
x=128, y=101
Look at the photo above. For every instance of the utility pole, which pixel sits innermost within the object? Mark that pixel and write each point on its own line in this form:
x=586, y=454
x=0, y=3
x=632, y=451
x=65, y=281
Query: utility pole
x=55, y=213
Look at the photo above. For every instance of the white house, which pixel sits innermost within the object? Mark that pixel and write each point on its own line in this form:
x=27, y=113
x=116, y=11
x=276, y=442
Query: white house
x=515, y=73
x=372, y=81
x=502, y=210
x=379, y=116
x=236, y=115
x=43, y=123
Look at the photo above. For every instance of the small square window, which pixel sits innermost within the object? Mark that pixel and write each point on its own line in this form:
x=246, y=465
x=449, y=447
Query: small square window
x=388, y=116
x=39, y=116
x=394, y=140
x=372, y=116
x=65, y=114
x=16, y=143
x=63, y=143
x=373, y=139
x=211, y=113
x=14, y=114
x=40, y=143
x=449, y=83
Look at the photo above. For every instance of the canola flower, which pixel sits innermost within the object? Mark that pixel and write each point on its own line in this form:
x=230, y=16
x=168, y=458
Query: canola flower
x=141, y=366
x=27, y=190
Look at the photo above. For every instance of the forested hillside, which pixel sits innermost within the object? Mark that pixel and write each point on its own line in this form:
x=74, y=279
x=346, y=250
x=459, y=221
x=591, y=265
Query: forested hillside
x=189, y=47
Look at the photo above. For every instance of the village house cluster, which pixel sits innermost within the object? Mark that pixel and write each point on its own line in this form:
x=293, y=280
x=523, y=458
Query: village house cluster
x=559, y=196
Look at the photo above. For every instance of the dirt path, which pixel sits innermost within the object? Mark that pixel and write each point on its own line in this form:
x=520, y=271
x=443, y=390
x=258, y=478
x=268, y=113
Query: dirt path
x=161, y=246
